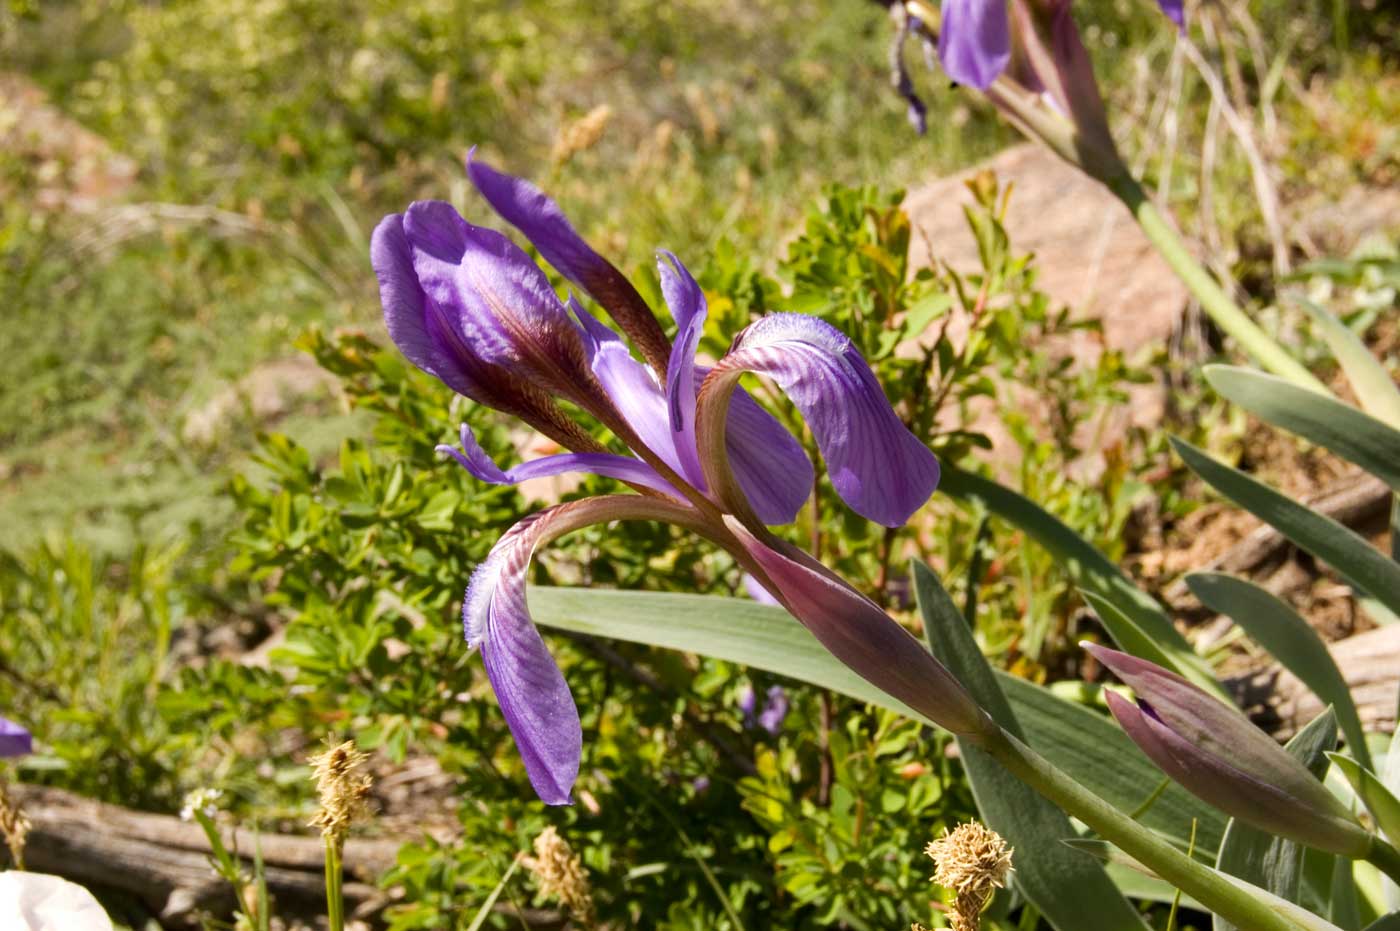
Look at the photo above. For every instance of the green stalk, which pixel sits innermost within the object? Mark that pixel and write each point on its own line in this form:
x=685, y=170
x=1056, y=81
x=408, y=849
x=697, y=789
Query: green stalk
x=335, y=899
x=1385, y=858
x=1197, y=880
x=1214, y=301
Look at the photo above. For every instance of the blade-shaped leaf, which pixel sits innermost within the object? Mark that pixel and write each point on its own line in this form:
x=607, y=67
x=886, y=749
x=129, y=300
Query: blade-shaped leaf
x=741, y=631
x=1290, y=639
x=1318, y=418
x=1379, y=801
x=1089, y=569
x=1369, y=379
x=1272, y=862
x=1071, y=890
x=1362, y=565
x=1390, y=775
x=1389, y=922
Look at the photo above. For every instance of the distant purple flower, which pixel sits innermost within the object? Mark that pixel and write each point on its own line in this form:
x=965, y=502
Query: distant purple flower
x=465, y=304
x=775, y=710
x=14, y=739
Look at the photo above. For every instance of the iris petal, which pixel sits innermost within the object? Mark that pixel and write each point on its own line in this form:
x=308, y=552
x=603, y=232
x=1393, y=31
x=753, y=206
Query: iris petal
x=14, y=739
x=876, y=465
x=974, y=41
x=623, y=468
x=1176, y=12
x=539, y=218
x=534, y=698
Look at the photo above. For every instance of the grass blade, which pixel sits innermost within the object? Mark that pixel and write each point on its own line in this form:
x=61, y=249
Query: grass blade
x=1369, y=379
x=1363, y=566
x=484, y=912
x=1317, y=418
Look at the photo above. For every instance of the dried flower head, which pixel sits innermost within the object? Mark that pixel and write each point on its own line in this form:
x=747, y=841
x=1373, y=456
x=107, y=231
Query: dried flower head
x=343, y=788
x=973, y=861
x=561, y=875
x=14, y=826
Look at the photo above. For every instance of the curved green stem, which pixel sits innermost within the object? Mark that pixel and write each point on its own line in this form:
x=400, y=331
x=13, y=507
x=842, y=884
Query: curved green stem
x=1209, y=888
x=1214, y=301
x=1386, y=859
x=335, y=898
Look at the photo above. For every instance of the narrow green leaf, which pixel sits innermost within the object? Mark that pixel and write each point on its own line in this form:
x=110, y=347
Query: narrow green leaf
x=484, y=912
x=1362, y=565
x=1346, y=431
x=1290, y=639
x=1390, y=775
x=741, y=631
x=1379, y=801
x=1070, y=890
x=1369, y=379
x=1389, y=922
x=1268, y=861
x=1089, y=569
x=1131, y=639
x=1346, y=909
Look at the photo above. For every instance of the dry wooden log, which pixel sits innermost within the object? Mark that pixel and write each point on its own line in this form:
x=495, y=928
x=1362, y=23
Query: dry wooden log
x=164, y=862
x=1370, y=664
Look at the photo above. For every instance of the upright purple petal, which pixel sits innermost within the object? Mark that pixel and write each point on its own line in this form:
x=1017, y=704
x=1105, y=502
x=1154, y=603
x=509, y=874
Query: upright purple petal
x=974, y=41
x=534, y=698
x=623, y=468
x=1253, y=798
x=636, y=395
x=14, y=739
x=539, y=218
x=861, y=635
x=877, y=466
x=687, y=303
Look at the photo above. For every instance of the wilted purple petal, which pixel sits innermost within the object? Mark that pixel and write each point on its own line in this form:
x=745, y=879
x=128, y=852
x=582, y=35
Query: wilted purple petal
x=534, y=698
x=1253, y=798
x=539, y=218
x=867, y=640
x=623, y=468
x=14, y=739
x=1222, y=732
x=974, y=41
x=775, y=710
x=877, y=466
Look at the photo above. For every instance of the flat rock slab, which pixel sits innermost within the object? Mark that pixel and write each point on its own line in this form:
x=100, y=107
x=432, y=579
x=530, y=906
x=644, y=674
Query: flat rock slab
x=1089, y=252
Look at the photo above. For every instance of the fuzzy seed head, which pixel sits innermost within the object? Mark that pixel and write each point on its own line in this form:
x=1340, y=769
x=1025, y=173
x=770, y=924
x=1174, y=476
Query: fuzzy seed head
x=972, y=861
x=14, y=827
x=561, y=875
x=343, y=787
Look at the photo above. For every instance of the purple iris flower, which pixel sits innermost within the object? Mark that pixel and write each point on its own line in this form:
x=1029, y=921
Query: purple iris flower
x=975, y=37
x=14, y=739
x=467, y=305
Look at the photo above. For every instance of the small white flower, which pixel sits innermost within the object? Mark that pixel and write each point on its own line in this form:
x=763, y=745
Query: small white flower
x=203, y=801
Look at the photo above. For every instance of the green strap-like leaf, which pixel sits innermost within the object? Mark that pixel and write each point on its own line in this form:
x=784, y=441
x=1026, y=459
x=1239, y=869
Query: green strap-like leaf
x=1129, y=637
x=1362, y=565
x=1290, y=639
x=1379, y=801
x=1263, y=859
x=1070, y=890
x=1074, y=738
x=1369, y=379
x=1346, y=431
x=1089, y=569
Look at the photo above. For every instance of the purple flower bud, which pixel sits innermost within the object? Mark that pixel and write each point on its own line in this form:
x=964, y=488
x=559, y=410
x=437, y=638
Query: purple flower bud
x=1215, y=753
x=14, y=739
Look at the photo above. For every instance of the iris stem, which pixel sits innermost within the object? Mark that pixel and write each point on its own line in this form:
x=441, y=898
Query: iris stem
x=1385, y=858
x=335, y=898
x=1214, y=301
x=1206, y=886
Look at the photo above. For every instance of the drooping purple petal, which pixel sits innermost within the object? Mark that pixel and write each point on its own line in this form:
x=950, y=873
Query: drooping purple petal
x=1252, y=798
x=877, y=466
x=974, y=41
x=15, y=740
x=1176, y=12
x=533, y=695
x=636, y=395
x=1219, y=730
x=539, y=218
x=861, y=635
x=623, y=468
